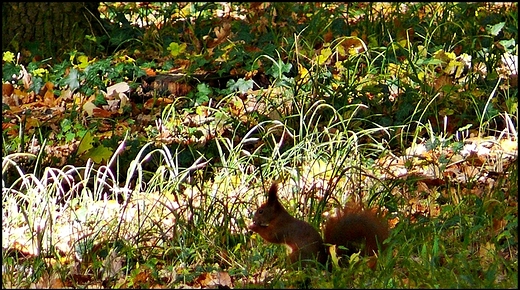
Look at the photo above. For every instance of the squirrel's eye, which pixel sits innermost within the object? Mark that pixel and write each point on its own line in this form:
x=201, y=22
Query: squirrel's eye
x=260, y=211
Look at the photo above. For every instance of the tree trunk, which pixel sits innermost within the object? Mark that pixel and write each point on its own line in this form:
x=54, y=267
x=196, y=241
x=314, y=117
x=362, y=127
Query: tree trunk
x=49, y=28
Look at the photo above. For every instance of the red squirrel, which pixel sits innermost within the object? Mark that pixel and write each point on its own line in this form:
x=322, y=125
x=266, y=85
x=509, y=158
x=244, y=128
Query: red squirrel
x=354, y=228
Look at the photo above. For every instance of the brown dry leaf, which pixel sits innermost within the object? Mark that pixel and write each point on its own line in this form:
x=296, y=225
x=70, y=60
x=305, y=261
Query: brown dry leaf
x=251, y=48
x=7, y=89
x=224, y=279
x=236, y=108
x=98, y=112
x=12, y=101
x=21, y=249
x=46, y=87
x=222, y=34
x=204, y=280
x=48, y=281
x=157, y=102
x=353, y=45
x=499, y=225
x=477, y=191
x=22, y=96
x=112, y=265
x=392, y=222
x=150, y=72
x=31, y=122
x=441, y=81
x=417, y=207
x=89, y=108
x=470, y=171
x=451, y=172
x=422, y=187
x=81, y=279
x=435, y=210
x=214, y=280
x=327, y=38
x=49, y=99
x=142, y=277
x=10, y=128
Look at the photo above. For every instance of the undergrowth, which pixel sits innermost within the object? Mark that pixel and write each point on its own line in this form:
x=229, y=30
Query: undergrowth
x=386, y=115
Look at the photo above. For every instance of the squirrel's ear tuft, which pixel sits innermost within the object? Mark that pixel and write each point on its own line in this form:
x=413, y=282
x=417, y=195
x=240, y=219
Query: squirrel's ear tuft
x=273, y=197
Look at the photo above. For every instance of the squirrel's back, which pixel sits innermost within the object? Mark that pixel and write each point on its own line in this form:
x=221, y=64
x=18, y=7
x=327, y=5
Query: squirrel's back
x=357, y=230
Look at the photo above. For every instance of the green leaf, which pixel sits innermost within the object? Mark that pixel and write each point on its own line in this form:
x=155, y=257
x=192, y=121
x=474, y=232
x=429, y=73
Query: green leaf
x=203, y=93
x=176, y=49
x=509, y=45
x=99, y=154
x=9, y=70
x=86, y=143
x=495, y=29
x=66, y=125
x=203, y=89
x=278, y=70
x=72, y=80
x=69, y=136
x=100, y=100
x=324, y=55
x=240, y=85
x=37, y=84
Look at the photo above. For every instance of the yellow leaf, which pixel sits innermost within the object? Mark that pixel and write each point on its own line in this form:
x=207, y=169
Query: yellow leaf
x=83, y=61
x=39, y=72
x=186, y=10
x=303, y=73
x=454, y=67
x=324, y=55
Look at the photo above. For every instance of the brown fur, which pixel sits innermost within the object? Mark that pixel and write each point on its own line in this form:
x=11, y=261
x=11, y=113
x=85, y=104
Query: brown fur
x=353, y=228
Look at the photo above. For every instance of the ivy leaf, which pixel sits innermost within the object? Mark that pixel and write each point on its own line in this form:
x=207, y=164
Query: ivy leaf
x=9, y=70
x=278, y=70
x=240, y=85
x=508, y=45
x=72, y=80
x=176, y=49
x=37, y=84
x=203, y=92
x=495, y=29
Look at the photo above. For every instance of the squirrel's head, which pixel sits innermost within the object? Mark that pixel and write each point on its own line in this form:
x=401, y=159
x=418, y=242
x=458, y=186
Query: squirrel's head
x=267, y=211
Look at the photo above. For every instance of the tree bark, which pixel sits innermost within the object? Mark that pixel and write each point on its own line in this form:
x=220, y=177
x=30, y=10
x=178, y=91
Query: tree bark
x=48, y=28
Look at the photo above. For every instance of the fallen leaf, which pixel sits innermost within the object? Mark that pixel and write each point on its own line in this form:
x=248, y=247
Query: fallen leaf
x=49, y=99
x=89, y=108
x=157, y=102
x=115, y=90
x=98, y=112
x=7, y=89
x=150, y=72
